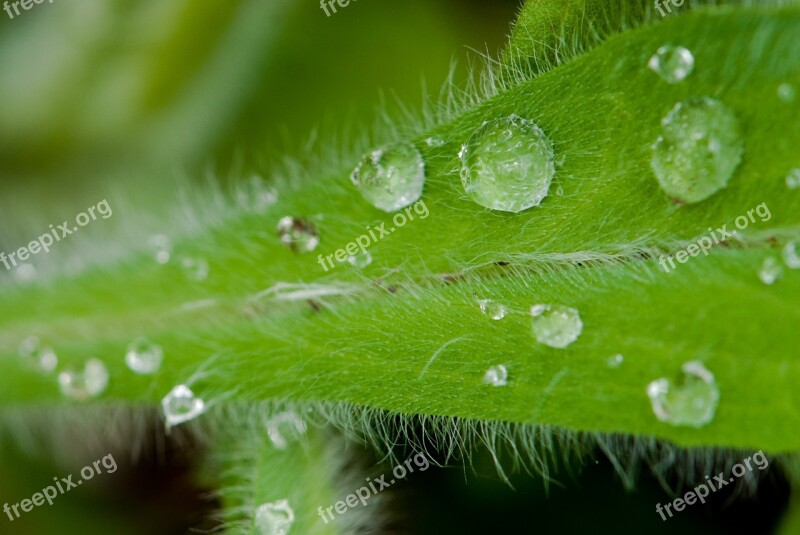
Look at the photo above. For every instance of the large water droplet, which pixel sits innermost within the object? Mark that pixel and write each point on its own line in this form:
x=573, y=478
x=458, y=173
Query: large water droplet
x=89, y=383
x=195, y=269
x=285, y=427
x=770, y=271
x=507, y=164
x=254, y=195
x=672, y=63
x=143, y=356
x=300, y=235
x=160, y=247
x=274, y=518
x=181, y=405
x=493, y=309
x=790, y=255
x=360, y=260
x=699, y=148
x=556, y=325
x=391, y=177
x=787, y=93
x=691, y=401
x=496, y=375
x=37, y=355
x=793, y=179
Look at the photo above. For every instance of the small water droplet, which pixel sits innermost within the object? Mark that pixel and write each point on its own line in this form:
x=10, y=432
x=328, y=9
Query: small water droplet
x=793, y=178
x=195, y=269
x=434, y=141
x=556, y=325
x=143, y=356
x=25, y=273
x=615, y=361
x=496, y=375
x=300, y=235
x=360, y=260
x=274, y=518
x=181, y=405
x=691, y=401
x=699, y=148
x=89, y=383
x=493, y=309
x=254, y=195
x=284, y=427
x=507, y=164
x=771, y=270
x=787, y=93
x=391, y=177
x=790, y=255
x=672, y=63
x=161, y=247
x=41, y=357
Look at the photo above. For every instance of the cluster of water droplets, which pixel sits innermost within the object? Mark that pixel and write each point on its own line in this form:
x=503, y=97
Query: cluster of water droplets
x=771, y=269
x=37, y=355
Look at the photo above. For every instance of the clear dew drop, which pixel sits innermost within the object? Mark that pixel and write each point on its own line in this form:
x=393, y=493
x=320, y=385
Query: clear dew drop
x=787, y=93
x=770, y=271
x=195, y=269
x=690, y=401
x=496, y=375
x=791, y=257
x=699, y=149
x=285, y=427
x=360, y=260
x=434, y=141
x=274, y=518
x=89, y=383
x=507, y=164
x=39, y=356
x=391, y=177
x=300, y=235
x=556, y=325
x=254, y=195
x=181, y=405
x=672, y=63
x=161, y=247
x=493, y=309
x=615, y=361
x=144, y=357
x=793, y=178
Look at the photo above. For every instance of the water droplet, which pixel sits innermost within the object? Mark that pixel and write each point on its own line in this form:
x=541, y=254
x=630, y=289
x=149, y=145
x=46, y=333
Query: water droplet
x=556, y=325
x=790, y=255
x=254, y=195
x=390, y=177
x=274, y=518
x=284, y=427
x=496, y=375
x=143, y=356
x=89, y=383
x=793, y=178
x=25, y=273
x=360, y=260
x=493, y=309
x=692, y=401
x=672, y=63
x=434, y=141
x=787, y=93
x=161, y=247
x=196, y=269
x=771, y=270
x=699, y=148
x=615, y=361
x=300, y=235
x=41, y=357
x=181, y=405
x=507, y=164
